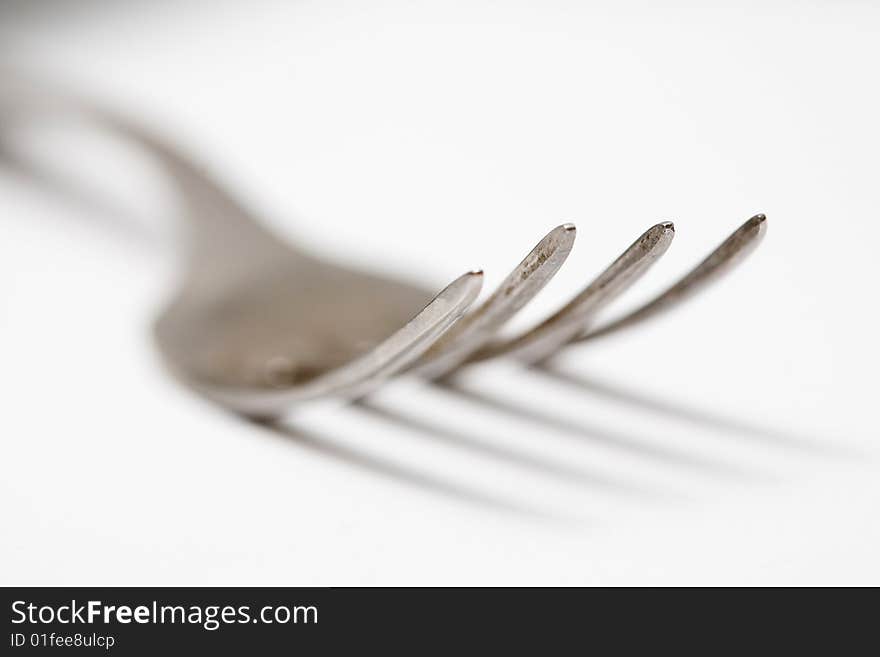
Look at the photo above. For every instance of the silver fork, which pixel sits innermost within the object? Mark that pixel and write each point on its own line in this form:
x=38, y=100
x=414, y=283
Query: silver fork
x=258, y=325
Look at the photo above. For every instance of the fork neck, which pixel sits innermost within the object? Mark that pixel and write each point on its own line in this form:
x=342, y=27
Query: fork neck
x=218, y=228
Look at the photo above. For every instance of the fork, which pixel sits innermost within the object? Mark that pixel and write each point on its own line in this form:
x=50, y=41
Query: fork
x=258, y=325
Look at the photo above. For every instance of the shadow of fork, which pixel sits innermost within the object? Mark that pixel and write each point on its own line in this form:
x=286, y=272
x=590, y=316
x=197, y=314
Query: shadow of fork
x=324, y=446
x=596, y=434
x=735, y=427
x=475, y=444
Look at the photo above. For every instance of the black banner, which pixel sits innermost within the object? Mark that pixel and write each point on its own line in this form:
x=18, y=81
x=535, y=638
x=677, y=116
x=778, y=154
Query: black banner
x=150, y=621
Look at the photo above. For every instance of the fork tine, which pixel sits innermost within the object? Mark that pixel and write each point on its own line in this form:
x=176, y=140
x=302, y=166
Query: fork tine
x=476, y=328
x=557, y=330
x=732, y=251
x=361, y=375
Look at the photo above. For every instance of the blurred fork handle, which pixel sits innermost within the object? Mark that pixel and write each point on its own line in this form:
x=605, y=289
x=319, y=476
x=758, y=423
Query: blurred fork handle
x=208, y=206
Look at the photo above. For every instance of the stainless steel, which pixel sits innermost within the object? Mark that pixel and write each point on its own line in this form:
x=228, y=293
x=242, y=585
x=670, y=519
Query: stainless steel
x=258, y=325
x=571, y=320
x=731, y=252
x=480, y=326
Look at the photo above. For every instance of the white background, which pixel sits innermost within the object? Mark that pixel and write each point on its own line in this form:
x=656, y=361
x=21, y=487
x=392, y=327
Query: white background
x=424, y=139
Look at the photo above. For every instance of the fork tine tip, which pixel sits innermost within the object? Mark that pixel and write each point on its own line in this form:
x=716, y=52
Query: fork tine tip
x=756, y=225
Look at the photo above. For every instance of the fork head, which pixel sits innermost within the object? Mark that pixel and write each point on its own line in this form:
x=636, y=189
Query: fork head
x=258, y=325
x=278, y=319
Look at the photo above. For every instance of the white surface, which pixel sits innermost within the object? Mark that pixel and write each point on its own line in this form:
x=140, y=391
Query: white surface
x=479, y=126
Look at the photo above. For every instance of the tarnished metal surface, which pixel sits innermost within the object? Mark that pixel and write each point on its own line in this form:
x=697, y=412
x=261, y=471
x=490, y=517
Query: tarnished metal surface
x=732, y=251
x=258, y=325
